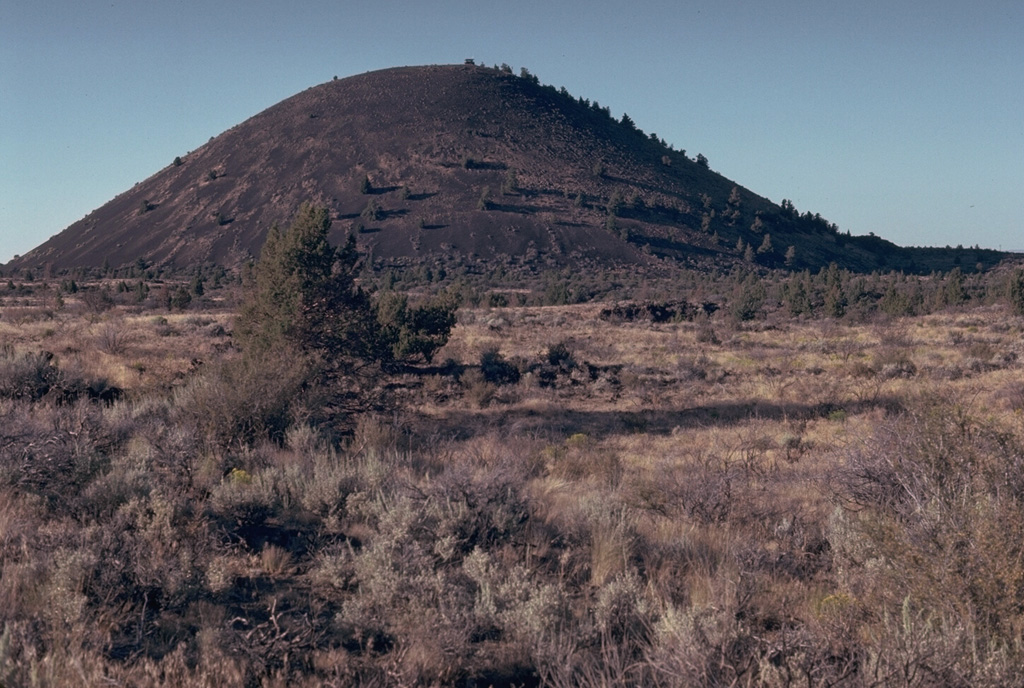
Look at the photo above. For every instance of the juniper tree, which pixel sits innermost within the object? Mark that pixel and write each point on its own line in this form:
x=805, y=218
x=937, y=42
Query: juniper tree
x=791, y=256
x=304, y=298
x=734, y=198
x=511, y=184
x=372, y=212
x=1015, y=291
x=414, y=331
x=835, y=301
x=748, y=296
x=304, y=295
x=484, y=202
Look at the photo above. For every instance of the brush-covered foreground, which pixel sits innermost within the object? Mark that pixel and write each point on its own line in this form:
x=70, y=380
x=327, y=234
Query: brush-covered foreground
x=566, y=501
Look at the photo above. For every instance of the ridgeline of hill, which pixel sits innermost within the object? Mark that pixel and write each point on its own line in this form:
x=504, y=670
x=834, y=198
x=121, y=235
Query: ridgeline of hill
x=463, y=163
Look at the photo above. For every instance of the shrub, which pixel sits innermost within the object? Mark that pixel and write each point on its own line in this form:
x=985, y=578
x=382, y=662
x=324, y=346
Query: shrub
x=935, y=536
x=243, y=400
x=478, y=390
x=32, y=377
x=415, y=331
x=561, y=356
x=98, y=300
x=52, y=451
x=28, y=376
x=496, y=370
x=579, y=459
x=113, y=337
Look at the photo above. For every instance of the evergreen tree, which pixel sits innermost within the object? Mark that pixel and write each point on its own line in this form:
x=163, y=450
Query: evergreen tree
x=748, y=297
x=141, y=291
x=953, y=292
x=796, y=295
x=180, y=299
x=896, y=302
x=734, y=198
x=511, y=184
x=1015, y=291
x=614, y=204
x=372, y=212
x=304, y=297
x=705, y=222
x=835, y=301
x=790, y=256
x=484, y=202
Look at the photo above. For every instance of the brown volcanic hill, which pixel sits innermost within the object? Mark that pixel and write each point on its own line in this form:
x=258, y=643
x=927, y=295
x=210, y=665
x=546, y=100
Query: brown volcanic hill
x=461, y=160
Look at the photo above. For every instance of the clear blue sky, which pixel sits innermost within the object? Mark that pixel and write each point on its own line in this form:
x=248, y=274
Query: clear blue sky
x=905, y=119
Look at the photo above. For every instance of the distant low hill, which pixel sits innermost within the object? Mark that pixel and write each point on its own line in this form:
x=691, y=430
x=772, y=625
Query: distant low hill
x=462, y=162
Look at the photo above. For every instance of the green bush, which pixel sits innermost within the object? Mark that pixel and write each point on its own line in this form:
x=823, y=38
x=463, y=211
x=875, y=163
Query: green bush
x=412, y=332
x=304, y=296
x=496, y=370
x=1015, y=291
x=748, y=297
x=560, y=355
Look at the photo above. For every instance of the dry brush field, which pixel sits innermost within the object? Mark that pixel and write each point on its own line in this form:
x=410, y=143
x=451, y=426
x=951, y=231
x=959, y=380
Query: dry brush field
x=560, y=499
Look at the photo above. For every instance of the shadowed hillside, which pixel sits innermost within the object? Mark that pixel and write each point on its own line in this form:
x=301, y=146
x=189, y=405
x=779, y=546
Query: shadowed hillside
x=463, y=162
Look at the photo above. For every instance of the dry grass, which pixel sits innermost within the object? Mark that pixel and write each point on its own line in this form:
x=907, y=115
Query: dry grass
x=648, y=506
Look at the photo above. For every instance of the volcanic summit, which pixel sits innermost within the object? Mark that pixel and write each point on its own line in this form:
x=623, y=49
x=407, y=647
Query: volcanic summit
x=453, y=161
